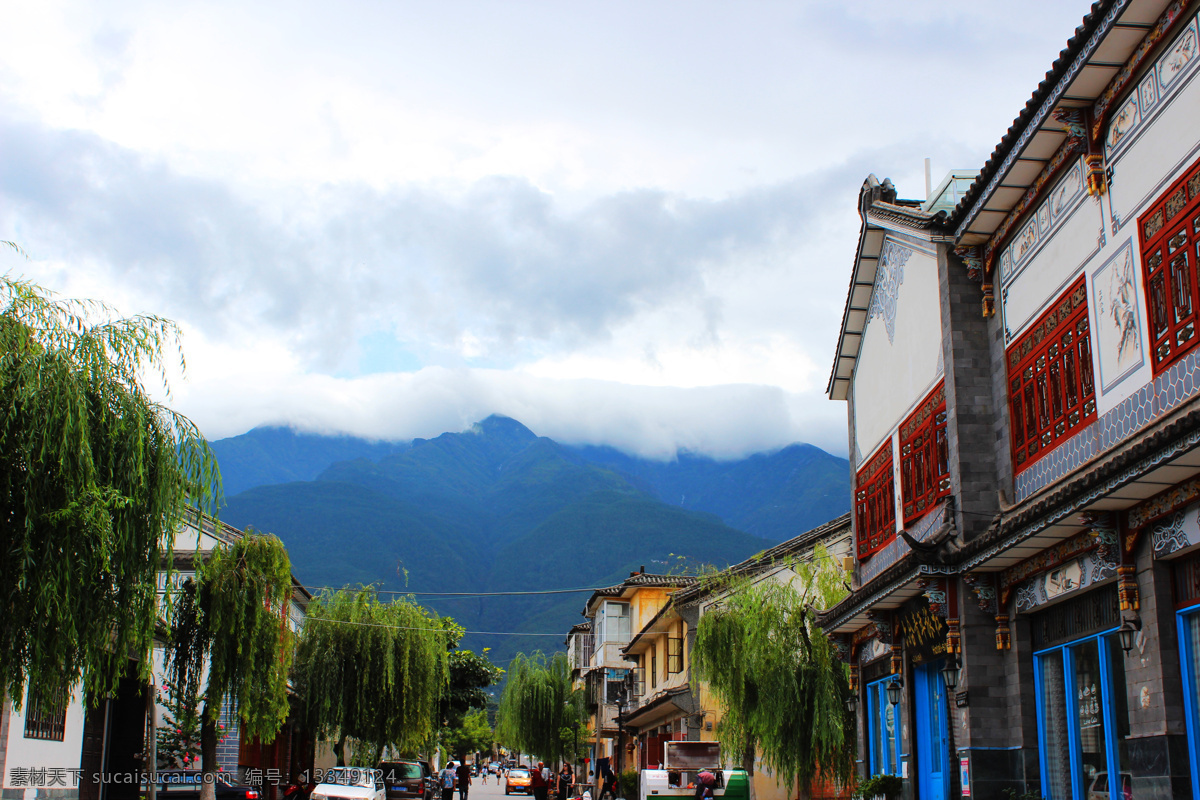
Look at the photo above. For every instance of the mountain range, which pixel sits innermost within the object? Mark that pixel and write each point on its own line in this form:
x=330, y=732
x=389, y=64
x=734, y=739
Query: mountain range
x=497, y=508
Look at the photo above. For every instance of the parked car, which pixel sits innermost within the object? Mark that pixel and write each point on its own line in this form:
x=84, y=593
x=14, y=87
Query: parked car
x=1099, y=787
x=350, y=783
x=408, y=779
x=184, y=784
x=518, y=781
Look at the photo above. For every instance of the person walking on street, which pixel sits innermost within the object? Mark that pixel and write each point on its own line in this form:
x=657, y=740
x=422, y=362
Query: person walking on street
x=565, y=779
x=464, y=780
x=446, y=779
x=538, y=782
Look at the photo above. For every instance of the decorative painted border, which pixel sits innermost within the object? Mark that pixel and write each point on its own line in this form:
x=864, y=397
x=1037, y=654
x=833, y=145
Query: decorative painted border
x=1133, y=112
x=1032, y=593
x=1049, y=558
x=1063, y=199
x=888, y=279
x=1163, y=503
x=1172, y=387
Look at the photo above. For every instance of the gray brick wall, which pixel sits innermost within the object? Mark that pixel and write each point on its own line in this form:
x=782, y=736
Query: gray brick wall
x=970, y=423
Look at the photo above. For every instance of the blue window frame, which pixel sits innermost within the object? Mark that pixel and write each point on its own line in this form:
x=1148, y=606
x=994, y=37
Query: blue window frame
x=1188, y=620
x=883, y=729
x=1083, y=718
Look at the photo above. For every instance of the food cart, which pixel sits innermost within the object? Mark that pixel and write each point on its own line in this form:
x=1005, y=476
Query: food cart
x=682, y=762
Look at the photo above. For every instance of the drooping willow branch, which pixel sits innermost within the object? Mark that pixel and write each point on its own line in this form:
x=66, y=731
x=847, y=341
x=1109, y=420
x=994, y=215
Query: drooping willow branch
x=95, y=479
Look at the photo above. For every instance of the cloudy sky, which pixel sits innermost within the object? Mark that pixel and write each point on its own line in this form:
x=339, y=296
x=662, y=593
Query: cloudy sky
x=619, y=222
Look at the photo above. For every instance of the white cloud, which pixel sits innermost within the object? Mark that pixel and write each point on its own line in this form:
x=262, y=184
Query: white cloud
x=617, y=222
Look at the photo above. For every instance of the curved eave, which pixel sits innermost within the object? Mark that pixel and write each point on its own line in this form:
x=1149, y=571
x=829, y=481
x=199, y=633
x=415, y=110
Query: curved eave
x=1098, y=51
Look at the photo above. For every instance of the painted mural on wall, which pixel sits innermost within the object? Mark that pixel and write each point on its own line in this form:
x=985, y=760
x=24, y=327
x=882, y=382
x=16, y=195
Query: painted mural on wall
x=1064, y=579
x=1117, y=317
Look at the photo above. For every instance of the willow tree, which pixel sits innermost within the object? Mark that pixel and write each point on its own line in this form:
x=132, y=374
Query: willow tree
x=780, y=684
x=372, y=671
x=95, y=478
x=540, y=709
x=229, y=628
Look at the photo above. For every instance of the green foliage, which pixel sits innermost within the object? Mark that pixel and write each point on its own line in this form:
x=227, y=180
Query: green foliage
x=178, y=736
x=371, y=670
x=94, y=481
x=470, y=674
x=781, y=685
x=880, y=785
x=231, y=625
x=472, y=735
x=627, y=784
x=539, y=701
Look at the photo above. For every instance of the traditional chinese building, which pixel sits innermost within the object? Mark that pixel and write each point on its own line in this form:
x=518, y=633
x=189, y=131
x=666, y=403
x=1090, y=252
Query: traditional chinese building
x=1021, y=373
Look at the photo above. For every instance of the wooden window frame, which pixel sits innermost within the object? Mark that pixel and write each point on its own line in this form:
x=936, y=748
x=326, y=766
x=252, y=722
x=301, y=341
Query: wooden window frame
x=1169, y=238
x=41, y=723
x=875, y=503
x=1051, y=379
x=924, y=456
x=674, y=655
x=654, y=666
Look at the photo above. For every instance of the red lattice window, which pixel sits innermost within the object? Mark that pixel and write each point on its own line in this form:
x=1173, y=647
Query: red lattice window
x=875, y=503
x=1170, y=236
x=1051, y=392
x=924, y=456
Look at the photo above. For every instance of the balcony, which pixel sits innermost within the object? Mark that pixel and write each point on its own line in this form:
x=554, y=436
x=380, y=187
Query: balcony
x=609, y=655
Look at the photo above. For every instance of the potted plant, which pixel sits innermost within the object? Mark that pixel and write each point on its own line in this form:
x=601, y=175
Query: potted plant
x=885, y=786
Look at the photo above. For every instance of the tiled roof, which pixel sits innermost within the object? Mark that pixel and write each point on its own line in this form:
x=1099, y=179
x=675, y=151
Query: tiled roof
x=768, y=559
x=641, y=579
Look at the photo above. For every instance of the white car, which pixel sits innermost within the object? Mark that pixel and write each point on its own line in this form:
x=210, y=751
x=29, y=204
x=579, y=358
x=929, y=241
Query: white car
x=350, y=783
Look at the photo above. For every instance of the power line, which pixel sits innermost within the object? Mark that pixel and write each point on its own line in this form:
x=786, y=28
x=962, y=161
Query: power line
x=473, y=594
x=427, y=630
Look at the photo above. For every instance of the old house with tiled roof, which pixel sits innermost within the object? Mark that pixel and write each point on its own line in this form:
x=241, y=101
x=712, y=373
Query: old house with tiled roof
x=1022, y=380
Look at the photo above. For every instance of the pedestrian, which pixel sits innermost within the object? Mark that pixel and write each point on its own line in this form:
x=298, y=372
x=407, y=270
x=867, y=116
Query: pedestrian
x=538, y=782
x=705, y=782
x=464, y=780
x=565, y=779
x=447, y=779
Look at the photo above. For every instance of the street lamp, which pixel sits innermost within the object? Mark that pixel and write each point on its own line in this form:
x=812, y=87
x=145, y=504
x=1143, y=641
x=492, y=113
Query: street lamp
x=950, y=674
x=852, y=702
x=1128, y=631
x=893, y=690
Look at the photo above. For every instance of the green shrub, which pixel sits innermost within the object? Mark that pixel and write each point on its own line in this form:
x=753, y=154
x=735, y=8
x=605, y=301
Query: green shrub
x=627, y=784
x=886, y=785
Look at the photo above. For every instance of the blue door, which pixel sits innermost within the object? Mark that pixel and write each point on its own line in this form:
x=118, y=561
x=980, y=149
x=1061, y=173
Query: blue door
x=933, y=751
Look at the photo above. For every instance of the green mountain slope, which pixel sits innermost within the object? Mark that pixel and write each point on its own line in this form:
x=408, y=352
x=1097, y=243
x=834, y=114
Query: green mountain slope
x=338, y=534
x=270, y=455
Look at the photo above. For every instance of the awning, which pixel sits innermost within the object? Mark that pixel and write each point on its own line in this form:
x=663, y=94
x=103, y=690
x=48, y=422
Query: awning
x=667, y=705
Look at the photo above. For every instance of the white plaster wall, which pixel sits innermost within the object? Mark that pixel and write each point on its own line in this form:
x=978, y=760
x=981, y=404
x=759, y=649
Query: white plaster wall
x=40, y=753
x=892, y=376
x=1072, y=245
x=1163, y=147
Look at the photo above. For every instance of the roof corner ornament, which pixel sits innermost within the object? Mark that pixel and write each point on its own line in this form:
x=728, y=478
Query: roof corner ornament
x=875, y=192
x=941, y=546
